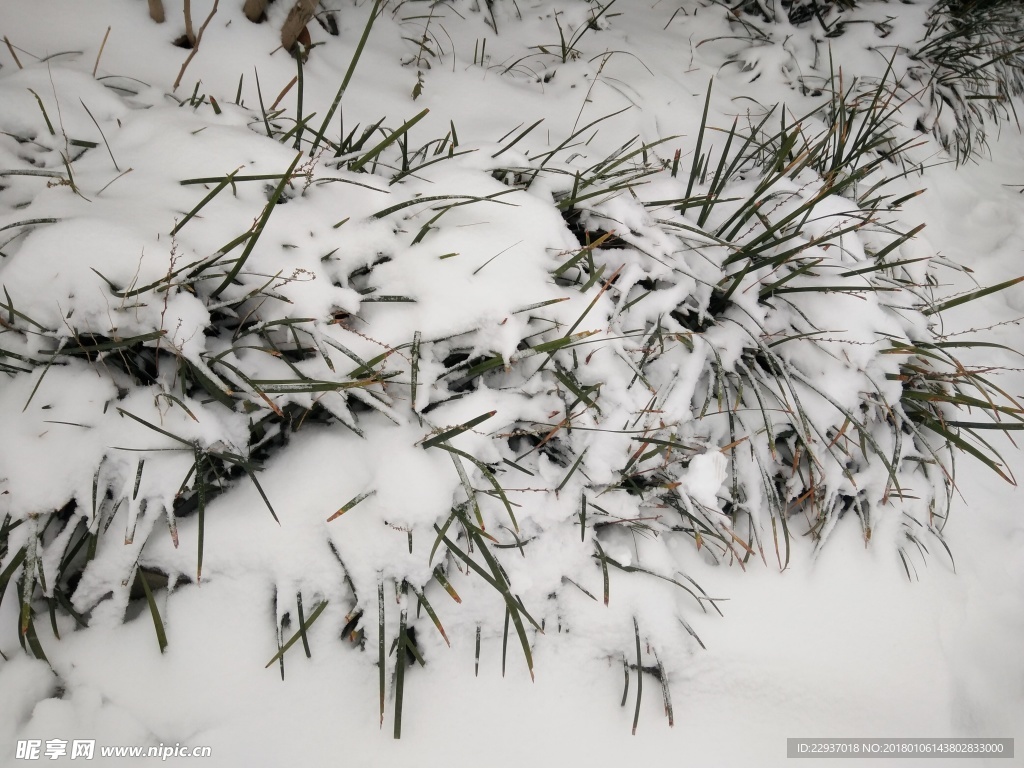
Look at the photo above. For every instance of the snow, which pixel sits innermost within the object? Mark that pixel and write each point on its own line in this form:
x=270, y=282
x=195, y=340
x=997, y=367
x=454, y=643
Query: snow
x=826, y=639
x=704, y=476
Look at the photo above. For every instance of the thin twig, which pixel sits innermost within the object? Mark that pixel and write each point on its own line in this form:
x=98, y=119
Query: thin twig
x=195, y=48
x=190, y=33
x=102, y=46
x=282, y=94
x=13, y=54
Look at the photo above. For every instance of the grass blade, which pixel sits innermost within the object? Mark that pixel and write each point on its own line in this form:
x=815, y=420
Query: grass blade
x=258, y=228
x=381, y=649
x=971, y=296
x=458, y=430
x=433, y=616
x=400, y=664
x=352, y=503
x=390, y=139
x=639, y=676
x=443, y=581
x=299, y=633
x=158, y=625
x=213, y=193
x=374, y=13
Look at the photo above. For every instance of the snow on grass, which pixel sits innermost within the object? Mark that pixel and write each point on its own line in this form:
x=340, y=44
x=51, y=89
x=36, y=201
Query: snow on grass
x=514, y=394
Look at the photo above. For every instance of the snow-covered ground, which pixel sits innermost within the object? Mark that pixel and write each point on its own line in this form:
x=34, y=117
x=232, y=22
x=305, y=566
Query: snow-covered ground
x=838, y=644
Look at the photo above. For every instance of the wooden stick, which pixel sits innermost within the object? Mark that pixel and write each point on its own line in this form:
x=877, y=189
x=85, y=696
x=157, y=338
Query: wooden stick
x=298, y=18
x=254, y=10
x=156, y=11
x=97, y=64
x=190, y=33
x=13, y=54
x=195, y=48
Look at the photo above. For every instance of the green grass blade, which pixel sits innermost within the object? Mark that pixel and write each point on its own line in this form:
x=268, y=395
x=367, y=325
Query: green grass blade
x=42, y=375
x=443, y=581
x=639, y=676
x=351, y=503
x=46, y=117
x=357, y=165
x=374, y=13
x=104, y=137
x=572, y=469
x=302, y=625
x=603, y=559
x=414, y=355
x=504, y=640
x=158, y=625
x=200, y=460
x=381, y=647
x=155, y=428
x=697, y=157
x=400, y=664
x=202, y=203
x=971, y=296
x=8, y=572
x=430, y=612
x=522, y=135
x=300, y=633
x=258, y=229
x=28, y=223
x=489, y=476
x=476, y=663
x=458, y=430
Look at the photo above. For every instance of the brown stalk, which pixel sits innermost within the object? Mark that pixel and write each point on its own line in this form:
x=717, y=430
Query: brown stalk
x=195, y=48
x=156, y=11
x=298, y=18
x=254, y=10
x=190, y=33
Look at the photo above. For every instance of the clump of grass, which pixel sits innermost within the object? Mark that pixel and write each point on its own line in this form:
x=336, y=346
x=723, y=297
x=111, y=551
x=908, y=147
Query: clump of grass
x=971, y=62
x=966, y=68
x=701, y=343
x=775, y=252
